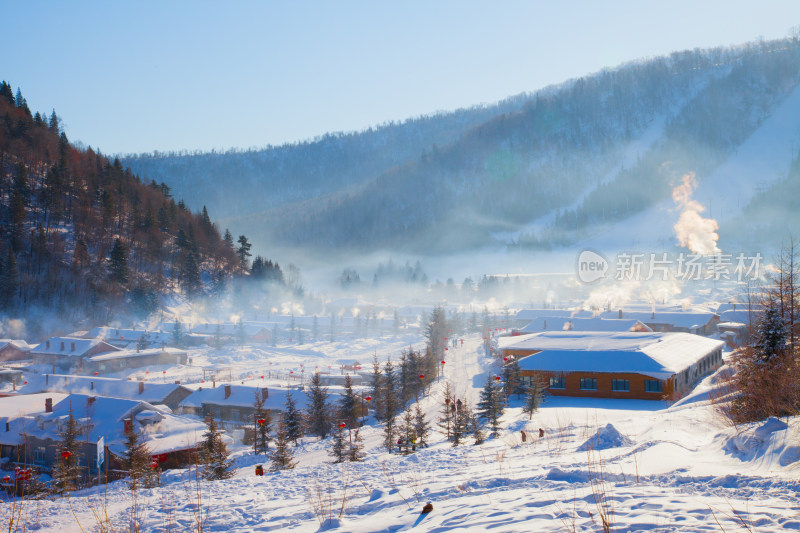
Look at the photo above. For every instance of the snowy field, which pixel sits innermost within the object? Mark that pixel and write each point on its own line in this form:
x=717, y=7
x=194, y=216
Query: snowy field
x=651, y=467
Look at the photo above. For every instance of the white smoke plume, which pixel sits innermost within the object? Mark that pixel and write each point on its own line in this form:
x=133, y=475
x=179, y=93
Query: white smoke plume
x=693, y=231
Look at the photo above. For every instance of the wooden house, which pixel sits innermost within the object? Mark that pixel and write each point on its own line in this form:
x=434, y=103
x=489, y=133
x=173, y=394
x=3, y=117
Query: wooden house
x=616, y=365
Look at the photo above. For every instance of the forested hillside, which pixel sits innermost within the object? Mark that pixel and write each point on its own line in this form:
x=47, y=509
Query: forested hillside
x=535, y=172
x=83, y=235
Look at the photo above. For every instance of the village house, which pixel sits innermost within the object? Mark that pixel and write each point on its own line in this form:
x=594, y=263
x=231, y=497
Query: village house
x=697, y=322
x=526, y=316
x=31, y=433
x=548, y=323
x=68, y=352
x=14, y=350
x=616, y=365
x=168, y=394
x=130, y=338
x=234, y=405
x=126, y=359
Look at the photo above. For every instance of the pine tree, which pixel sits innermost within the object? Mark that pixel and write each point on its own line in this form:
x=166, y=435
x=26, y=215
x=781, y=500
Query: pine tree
x=243, y=251
x=375, y=385
x=177, y=333
x=9, y=281
x=407, y=434
x=771, y=334
x=339, y=446
x=474, y=427
x=66, y=472
x=292, y=424
x=534, y=397
x=263, y=422
x=281, y=457
x=490, y=406
x=355, y=450
x=318, y=414
x=422, y=428
x=461, y=418
x=214, y=453
x=138, y=462
x=511, y=380
x=448, y=411
x=348, y=403
x=118, y=262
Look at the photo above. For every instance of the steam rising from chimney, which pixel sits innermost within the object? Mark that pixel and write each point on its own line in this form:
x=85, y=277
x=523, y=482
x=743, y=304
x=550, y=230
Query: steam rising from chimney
x=693, y=231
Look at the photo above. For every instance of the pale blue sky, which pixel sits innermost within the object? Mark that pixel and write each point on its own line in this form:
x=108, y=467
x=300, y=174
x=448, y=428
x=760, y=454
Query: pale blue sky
x=156, y=75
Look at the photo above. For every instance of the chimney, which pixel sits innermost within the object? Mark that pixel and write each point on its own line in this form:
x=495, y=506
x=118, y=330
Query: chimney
x=48, y=405
x=91, y=385
x=545, y=325
x=620, y=314
x=90, y=401
x=264, y=393
x=227, y=391
x=653, y=315
x=47, y=379
x=177, y=382
x=141, y=387
x=128, y=425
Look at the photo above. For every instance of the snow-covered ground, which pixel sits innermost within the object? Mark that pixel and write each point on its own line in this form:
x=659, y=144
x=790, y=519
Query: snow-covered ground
x=652, y=467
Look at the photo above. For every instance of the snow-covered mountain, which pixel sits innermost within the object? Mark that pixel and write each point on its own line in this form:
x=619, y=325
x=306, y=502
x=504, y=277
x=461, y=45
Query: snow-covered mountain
x=593, y=156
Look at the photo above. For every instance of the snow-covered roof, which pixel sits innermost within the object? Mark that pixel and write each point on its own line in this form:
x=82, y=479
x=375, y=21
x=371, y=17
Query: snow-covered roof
x=688, y=320
x=533, y=314
x=70, y=346
x=94, y=385
x=122, y=354
x=738, y=306
x=103, y=417
x=582, y=324
x=19, y=344
x=242, y=396
x=117, y=334
x=25, y=404
x=658, y=355
x=741, y=315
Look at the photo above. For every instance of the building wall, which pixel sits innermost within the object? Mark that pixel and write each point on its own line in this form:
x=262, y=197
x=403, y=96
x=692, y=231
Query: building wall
x=604, y=381
x=12, y=353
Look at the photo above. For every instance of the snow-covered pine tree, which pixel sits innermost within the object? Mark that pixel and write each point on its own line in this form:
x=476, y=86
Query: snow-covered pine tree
x=66, y=472
x=214, y=453
x=281, y=457
x=534, y=397
x=318, y=413
x=292, y=422
x=771, y=334
x=461, y=416
x=422, y=428
x=490, y=406
x=263, y=423
x=388, y=391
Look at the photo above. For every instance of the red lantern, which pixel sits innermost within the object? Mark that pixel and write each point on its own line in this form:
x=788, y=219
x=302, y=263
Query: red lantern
x=505, y=358
x=342, y=425
x=66, y=454
x=96, y=373
x=24, y=382
x=146, y=371
x=446, y=349
x=368, y=398
x=422, y=376
x=447, y=400
x=262, y=377
x=497, y=378
x=442, y=362
x=6, y=479
x=164, y=372
x=154, y=465
x=260, y=421
x=291, y=371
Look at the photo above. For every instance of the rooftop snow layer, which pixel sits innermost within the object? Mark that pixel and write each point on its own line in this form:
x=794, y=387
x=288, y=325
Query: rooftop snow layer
x=654, y=354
